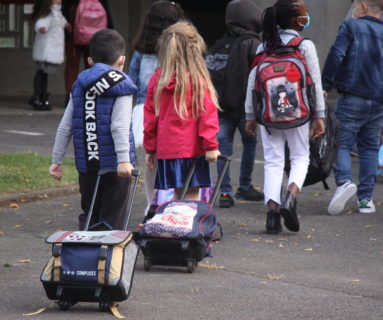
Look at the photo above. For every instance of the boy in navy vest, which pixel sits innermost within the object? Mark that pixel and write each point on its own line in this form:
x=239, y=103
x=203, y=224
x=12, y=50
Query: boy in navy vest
x=98, y=117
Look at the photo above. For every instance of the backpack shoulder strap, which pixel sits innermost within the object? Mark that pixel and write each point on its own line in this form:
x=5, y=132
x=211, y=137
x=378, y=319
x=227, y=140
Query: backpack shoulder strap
x=296, y=42
x=257, y=58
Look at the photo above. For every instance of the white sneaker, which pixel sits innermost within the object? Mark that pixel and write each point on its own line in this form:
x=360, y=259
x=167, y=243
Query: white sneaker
x=342, y=194
x=366, y=206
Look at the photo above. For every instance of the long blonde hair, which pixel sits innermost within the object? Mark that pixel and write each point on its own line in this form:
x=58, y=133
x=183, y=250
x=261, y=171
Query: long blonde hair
x=181, y=51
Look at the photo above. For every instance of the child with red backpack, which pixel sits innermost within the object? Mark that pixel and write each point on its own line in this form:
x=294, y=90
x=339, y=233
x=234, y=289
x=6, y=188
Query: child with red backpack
x=285, y=96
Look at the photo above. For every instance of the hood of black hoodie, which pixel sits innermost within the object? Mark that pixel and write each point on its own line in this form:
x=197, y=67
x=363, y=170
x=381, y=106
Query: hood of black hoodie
x=243, y=16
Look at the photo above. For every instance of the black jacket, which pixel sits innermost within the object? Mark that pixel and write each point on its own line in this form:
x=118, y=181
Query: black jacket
x=244, y=19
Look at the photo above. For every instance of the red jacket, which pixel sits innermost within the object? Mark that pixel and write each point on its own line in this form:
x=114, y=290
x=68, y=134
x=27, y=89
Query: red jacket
x=168, y=135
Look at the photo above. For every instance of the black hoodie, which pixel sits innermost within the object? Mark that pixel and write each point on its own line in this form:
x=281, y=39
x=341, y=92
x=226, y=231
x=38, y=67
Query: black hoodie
x=243, y=20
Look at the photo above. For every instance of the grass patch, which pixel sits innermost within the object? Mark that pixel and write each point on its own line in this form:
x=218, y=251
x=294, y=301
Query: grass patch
x=28, y=171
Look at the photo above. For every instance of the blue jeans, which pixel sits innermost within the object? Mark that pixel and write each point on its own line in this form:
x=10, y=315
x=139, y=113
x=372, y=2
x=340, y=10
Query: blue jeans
x=227, y=129
x=361, y=121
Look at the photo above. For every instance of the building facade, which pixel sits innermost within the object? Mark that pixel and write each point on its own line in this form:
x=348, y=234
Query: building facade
x=16, y=32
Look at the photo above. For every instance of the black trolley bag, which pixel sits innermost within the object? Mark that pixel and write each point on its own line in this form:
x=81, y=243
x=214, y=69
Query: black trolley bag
x=92, y=266
x=180, y=232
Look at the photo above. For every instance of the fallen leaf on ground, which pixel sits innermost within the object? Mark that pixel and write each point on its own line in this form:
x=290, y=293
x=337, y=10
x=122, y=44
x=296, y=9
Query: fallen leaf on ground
x=280, y=245
x=23, y=200
x=256, y=240
x=243, y=225
x=313, y=230
x=296, y=244
x=14, y=205
x=65, y=205
x=315, y=194
x=210, y=266
x=356, y=280
x=282, y=239
x=368, y=226
x=274, y=276
x=379, y=204
x=309, y=249
x=2, y=233
x=269, y=241
x=349, y=212
x=373, y=239
x=337, y=235
x=48, y=221
x=310, y=237
x=25, y=260
x=18, y=226
x=264, y=282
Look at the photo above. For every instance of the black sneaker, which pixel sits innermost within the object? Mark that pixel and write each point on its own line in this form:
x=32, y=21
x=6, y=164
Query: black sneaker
x=250, y=195
x=226, y=201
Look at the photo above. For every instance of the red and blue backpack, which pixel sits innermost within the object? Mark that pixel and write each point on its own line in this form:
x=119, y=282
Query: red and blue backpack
x=284, y=94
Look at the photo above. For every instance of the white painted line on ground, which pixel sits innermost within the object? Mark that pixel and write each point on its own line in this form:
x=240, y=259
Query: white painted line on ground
x=26, y=133
x=255, y=161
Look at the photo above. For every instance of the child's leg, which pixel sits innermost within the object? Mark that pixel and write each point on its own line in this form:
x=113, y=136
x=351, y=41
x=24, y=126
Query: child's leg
x=115, y=193
x=368, y=148
x=87, y=183
x=298, y=142
x=274, y=154
x=149, y=179
x=191, y=194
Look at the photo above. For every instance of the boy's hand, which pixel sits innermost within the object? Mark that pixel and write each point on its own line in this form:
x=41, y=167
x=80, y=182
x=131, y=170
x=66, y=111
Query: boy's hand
x=212, y=155
x=56, y=171
x=251, y=128
x=124, y=169
x=149, y=160
x=317, y=128
x=42, y=30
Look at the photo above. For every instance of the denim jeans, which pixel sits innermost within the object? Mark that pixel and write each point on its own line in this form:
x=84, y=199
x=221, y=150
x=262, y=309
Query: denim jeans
x=227, y=129
x=361, y=121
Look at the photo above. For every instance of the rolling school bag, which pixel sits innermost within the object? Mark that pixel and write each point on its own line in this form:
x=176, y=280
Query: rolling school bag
x=92, y=266
x=180, y=232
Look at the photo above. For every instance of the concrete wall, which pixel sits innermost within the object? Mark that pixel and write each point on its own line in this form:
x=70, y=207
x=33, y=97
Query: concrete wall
x=17, y=67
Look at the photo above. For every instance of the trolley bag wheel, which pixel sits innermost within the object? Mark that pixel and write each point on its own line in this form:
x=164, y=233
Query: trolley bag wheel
x=104, y=305
x=191, y=265
x=65, y=304
x=147, y=264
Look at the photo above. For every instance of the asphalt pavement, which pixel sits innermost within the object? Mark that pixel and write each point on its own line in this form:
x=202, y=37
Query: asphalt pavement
x=331, y=269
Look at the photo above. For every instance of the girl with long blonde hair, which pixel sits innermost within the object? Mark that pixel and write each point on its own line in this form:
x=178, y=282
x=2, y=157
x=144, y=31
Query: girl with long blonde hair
x=180, y=112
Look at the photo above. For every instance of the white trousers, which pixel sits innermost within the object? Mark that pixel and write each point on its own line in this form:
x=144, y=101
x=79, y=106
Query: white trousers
x=274, y=154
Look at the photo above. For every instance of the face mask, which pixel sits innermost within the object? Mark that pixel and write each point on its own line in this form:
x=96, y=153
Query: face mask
x=305, y=26
x=56, y=6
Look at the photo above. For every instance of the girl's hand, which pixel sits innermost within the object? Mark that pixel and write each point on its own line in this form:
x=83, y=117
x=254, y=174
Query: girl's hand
x=42, y=30
x=149, y=159
x=212, y=155
x=317, y=128
x=56, y=171
x=251, y=128
x=124, y=169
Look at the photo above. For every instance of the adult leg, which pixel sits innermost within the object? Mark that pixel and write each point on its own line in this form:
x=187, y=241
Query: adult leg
x=72, y=65
x=225, y=138
x=246, y=191
x=38, y=84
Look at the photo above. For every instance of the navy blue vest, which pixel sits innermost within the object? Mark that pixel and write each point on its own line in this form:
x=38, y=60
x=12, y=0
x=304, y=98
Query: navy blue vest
x=93, y=95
